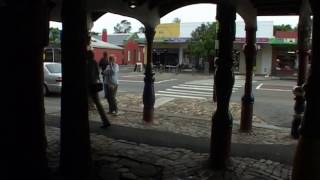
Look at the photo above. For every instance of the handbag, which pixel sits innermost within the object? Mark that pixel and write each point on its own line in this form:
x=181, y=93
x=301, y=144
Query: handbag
x=97, y=87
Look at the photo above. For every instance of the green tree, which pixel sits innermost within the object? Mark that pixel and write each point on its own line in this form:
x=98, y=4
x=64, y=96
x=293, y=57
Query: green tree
x=202, y=42
x=283, y=27
x=54, y=36
x=141, y=29
x=123, y=27
x=176, y=20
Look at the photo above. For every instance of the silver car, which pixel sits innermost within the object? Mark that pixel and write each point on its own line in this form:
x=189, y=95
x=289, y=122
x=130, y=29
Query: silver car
x=52, y=77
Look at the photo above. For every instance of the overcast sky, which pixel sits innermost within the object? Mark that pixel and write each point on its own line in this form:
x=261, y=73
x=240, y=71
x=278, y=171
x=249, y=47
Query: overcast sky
x=193, y=13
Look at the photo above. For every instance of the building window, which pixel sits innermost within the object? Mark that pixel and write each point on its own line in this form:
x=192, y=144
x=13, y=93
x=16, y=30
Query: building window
x=129, y=55
x=139, y=56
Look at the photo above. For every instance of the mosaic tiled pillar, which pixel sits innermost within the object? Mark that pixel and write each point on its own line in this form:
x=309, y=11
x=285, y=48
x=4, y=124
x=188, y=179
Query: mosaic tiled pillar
x=248, y=99
x=75, y=156
x=307, y=158
x=304, y=35
x=148, y=91
x=224, y=81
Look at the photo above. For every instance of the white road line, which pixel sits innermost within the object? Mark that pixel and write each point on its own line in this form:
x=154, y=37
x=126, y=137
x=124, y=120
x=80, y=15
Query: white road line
x=205, y=86
x=200, y=86
x=259, y=86
x=171, y=95
x=186, y=91
x=266, y=89
x=200, y=83
x=181, y=93
x=158, y=82
x=193, y=88
x=197, y=88
x=133, y=76
x=162, y=100
x=131, y=81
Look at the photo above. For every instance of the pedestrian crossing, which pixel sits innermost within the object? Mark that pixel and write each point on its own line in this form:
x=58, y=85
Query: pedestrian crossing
x=200, y=89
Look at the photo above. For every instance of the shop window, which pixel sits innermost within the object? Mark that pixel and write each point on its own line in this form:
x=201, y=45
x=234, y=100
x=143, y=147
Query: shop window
x=286, y=62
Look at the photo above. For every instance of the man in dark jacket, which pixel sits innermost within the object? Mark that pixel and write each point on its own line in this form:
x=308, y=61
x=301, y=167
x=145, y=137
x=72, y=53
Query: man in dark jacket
x=103, y=63
x=93, y=78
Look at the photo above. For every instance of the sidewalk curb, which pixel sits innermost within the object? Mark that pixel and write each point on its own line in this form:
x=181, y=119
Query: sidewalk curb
x=257, y=125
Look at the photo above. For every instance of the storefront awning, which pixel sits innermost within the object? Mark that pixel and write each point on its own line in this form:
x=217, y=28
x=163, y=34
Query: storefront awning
x=283, y=41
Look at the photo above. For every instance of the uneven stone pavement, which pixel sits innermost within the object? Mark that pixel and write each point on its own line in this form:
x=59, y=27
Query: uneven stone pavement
x=120, y=159
x=125, y=159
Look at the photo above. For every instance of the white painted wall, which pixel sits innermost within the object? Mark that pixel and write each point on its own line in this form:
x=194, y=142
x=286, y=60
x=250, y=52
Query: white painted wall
x=263, y=59
x=266, y=60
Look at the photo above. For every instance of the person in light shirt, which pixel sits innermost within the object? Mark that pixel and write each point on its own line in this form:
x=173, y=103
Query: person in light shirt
x=111, y=79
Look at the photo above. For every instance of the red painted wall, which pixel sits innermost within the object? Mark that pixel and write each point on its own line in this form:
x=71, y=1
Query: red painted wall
x=116, y=53
x=134, y=49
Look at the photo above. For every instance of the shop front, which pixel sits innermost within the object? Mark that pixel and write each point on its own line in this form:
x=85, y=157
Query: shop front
x=284, y=57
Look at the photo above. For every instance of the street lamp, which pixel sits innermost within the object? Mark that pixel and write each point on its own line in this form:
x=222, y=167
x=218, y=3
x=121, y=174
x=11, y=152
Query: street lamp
x=134, y=3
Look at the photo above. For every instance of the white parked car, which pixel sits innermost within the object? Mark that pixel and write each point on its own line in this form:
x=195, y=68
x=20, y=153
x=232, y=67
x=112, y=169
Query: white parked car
x=52, y=77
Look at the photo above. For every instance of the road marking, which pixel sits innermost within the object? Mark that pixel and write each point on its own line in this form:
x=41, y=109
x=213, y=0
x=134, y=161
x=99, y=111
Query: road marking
x=195, y=88
x=182, y=93
x=131, y=81
x=268, y=89
x=204, y=86
x=203, y=89
x=133, y=76
x=259, y=86
x=283, y=90
x=135, y=81
x=162, y=100
x=158, y=82
x=172, y=95
x=200, y=83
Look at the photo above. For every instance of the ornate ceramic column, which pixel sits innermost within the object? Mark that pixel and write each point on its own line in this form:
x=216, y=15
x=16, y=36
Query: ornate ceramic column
x=307, y=158
x=224, y=81
x=75, y=156
x=304, y=33
x=248, y=99
x=148, y=91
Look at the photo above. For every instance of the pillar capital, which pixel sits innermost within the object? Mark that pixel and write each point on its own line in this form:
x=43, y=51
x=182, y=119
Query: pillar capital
x=150, y=32
x=315, y=7
x=250, y=28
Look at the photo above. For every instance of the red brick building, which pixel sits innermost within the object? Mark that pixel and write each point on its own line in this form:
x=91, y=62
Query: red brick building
x=99, y=47
x=133, y=52
x=132, y=49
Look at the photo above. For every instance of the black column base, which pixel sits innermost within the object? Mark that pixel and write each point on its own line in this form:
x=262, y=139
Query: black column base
x=296, y=126
x=246, y=113
x=221, y=140
x=148, y=95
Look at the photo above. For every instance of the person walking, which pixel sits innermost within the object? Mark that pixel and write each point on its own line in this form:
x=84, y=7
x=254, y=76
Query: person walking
x=93, y=80
x=111, y=79
x=103, y=63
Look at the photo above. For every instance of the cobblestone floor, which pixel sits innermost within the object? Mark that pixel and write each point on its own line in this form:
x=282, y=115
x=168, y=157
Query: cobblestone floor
x=192, y=118
x=118, y=159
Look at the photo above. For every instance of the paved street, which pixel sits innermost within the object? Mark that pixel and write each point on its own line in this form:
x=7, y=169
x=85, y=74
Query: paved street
x=181, y=130
x=273, y=97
